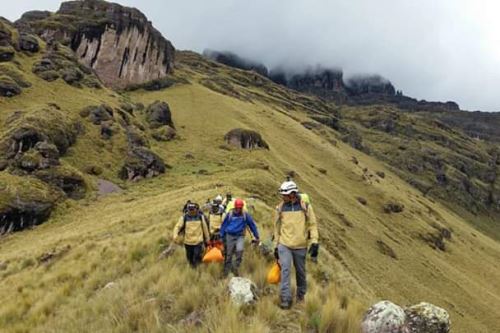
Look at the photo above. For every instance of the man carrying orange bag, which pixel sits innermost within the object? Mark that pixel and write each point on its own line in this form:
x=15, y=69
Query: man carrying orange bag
x=232, y=233
x=295, y=227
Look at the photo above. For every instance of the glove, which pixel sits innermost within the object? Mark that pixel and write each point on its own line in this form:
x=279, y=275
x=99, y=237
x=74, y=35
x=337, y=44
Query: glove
x=276, y=254
x=313, y=250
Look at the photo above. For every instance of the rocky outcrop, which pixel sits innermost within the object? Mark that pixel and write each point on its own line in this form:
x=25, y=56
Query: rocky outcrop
x=70, y=182
x=246, y=139
x=324, y=82
x=31, y=149
x=24, y=203
x=59, y=61
x=97, y=113
x=329, y=84
x=141, y=163
x=28, y=43
x=369, y=85
x=117, y=42
x=9, y=87
x=387, y=317
x=7, y=53
x=158, y=114
x=234, y=60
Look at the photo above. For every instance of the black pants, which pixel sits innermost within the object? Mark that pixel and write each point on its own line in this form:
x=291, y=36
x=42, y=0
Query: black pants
x=194, y=254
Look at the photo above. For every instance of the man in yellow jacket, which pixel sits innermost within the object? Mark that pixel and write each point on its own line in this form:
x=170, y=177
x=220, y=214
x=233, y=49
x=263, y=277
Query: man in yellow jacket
x=215, y=218
x=295, y=227
x=193, y=226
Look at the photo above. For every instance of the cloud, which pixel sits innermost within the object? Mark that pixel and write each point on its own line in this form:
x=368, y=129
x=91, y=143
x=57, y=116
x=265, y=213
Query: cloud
x=435, y=50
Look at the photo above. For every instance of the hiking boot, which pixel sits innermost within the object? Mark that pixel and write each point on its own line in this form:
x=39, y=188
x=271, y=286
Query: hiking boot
x=285, y=305
x=235, y=272
x=300, y=299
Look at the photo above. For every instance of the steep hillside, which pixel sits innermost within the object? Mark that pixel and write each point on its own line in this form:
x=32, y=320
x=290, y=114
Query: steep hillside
x=94, y=264
x=447, y=154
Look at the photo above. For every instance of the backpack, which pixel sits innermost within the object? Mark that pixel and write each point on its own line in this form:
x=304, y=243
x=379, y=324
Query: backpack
x=305, y=197
x=245, y=215
x=303, y=205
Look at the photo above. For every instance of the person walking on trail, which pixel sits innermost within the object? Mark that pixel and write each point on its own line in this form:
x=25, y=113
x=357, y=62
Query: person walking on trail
x=193, y=226
x=295, y=226
x=232, y=233
x=215, y=218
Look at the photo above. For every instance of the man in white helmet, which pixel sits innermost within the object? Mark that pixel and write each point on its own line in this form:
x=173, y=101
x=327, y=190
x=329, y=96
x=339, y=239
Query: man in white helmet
x=215, y=218
x=295, y=227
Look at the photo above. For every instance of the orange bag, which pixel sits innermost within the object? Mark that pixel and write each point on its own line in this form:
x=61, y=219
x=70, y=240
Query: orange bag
x=274, y=274
x=218, y=244
x=214, y=254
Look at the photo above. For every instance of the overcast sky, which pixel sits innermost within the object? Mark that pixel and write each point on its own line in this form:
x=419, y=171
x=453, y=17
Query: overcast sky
x=431, y=49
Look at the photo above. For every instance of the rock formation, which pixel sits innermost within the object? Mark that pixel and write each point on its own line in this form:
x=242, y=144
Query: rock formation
x=242, y=291
x=234, y=60
x=117, y=42
x=387, y=317
x=245, y=139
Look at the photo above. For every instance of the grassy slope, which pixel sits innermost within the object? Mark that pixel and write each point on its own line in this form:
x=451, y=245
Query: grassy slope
x=118, y=238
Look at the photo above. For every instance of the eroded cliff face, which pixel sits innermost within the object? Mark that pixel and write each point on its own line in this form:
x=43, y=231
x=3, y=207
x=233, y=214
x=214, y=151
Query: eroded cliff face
x=117, y=42
x=125, y=58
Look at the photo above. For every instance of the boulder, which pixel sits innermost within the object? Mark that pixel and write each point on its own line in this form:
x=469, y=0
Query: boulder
x=97, y=114
x=24, y=214
x=107, y=130
x=136, y=138
x=242, y=291
x=141, y=163
x=49, y=75
x=165, y=133
x=70, y=182
x=30, y=161
x=383, y=317
x=426, y=318
x=9, y=87
x=47, y=150
x=71, y=75
x=106, y=187
x=5, y=35
x=6, y=53
x=246, y=139
x=387, y=317
x=23, y=139
x=28, y=43
x=393, y=207
x=60, y=134
x=23, y=202
x=158, y=114
x=43, y=65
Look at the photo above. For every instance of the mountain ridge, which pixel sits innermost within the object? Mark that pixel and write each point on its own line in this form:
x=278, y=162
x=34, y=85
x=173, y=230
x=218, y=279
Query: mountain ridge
x=94, y=262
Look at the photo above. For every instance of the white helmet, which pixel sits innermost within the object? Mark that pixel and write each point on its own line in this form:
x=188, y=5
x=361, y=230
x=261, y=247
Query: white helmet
x=218, y=198
x=288, y=187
